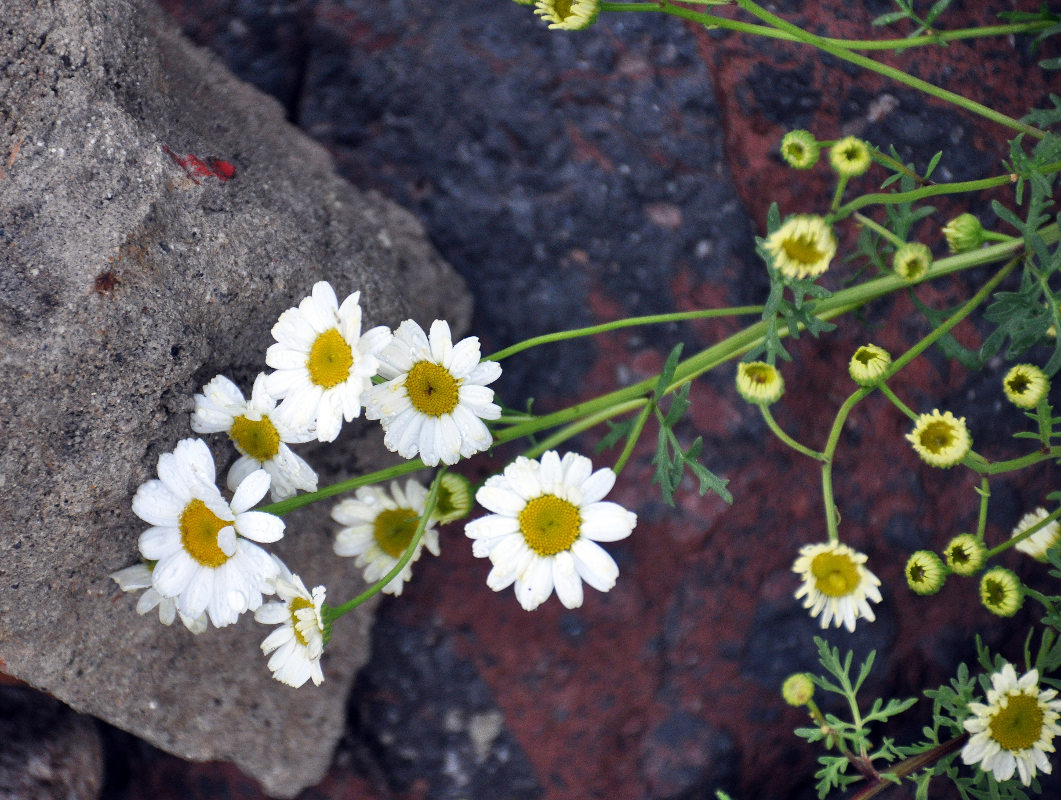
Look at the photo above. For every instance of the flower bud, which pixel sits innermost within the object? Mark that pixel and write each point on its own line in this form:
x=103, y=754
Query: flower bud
x=759, y=383
x=964, y=233
x=798, y=689
x=800, y=149
x=965, y=554
x=925, y=573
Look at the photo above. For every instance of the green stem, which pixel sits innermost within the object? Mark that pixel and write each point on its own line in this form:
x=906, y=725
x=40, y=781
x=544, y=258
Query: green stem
x=739, y=343
x=632, y=438
x=909, y=766
x=985, y=495
x=831, y=522
x=899, y=404
x=890, y=198
x=889, y=72
x=584, y=423
x=654, y=319
x=332, y=613
x=904, y=43
x=1034, y=529
x=784, y=437
x=282, y=507
x=999, y=467
x=887, y=234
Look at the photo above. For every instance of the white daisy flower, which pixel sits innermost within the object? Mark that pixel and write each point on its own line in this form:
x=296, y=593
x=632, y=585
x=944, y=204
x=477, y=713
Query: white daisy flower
x=380, y=528
x=1039, y=543
x=298, y=643
x=1015, y=729
x=836, y=584
x=548, y=517
x=258, y=434
x=323, y=362
x=200, y=541
x=435, y=398
x=138, y=577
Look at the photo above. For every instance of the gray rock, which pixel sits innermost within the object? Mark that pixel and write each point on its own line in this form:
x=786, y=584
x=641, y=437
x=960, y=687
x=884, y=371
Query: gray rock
x=49, y=752
x=131, y=274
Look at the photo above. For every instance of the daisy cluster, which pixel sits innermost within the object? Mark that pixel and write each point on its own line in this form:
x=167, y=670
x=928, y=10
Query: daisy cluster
x=203, y=559
x=202, y=556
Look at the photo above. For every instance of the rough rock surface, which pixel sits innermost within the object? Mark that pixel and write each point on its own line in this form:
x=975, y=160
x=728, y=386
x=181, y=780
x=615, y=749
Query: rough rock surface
x=49, y=752
x=156, y=215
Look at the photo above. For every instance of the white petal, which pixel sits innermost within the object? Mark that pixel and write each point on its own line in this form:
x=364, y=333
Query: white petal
x=251, y=489
x=594, y=565
x=260, y=526
x=156, y=505
x=566, y=580
x=607, y=522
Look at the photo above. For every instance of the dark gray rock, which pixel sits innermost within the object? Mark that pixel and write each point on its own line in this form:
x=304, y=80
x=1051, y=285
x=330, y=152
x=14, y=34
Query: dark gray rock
x=48, y=752
x=156, y=216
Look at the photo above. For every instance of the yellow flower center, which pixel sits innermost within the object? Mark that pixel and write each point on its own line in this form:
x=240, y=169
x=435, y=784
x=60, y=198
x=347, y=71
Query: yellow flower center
x=917, y=573
x=835, y=574
x=937, y=436
x=550, y=525
x=802, y=249
x=852, y=154
x=199, y=527
x=958, y=555
x=1019, y=725
x=563, y=8
x=761, y=374
x=294, y=607
x=1019, y=384
x=330, y=359
x=994, y=592
x=256, y=438
x=865, y=356
x=432, y=389
x=394, y=529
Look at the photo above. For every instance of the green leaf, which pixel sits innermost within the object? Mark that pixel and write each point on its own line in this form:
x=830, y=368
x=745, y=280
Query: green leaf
x=889, y=18
x=666, y=376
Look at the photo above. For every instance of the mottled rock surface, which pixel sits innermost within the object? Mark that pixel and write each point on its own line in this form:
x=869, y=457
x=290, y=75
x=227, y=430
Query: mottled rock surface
x=156, y=216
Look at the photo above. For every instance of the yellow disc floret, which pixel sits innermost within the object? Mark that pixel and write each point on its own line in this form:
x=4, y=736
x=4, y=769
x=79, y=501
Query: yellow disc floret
x=835, y=573
x=549, y=524
x=199, y=527
x=330, y=359
x=802, y=247
x=759, y=382
x=257, y=438
x=432, y=389
x=393, y=529
x=1025, y=385
x=941, y=440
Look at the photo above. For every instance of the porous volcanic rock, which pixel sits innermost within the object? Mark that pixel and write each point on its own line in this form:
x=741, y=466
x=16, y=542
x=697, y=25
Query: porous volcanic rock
x=156, y=216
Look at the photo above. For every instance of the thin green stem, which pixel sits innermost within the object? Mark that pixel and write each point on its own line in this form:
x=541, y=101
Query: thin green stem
x=1032, y=530
x=832, y=524
x=784, y=437
x=282, y=507
x=739, y=343
x=592, y=330
x=887, y=234
x=985, y=495
x=332, y=613
x=584, y=423
x=891, y=198
x=899, y=404
x=889, y=72
x=632, y=438
x=905, y=43
x=838, y=194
